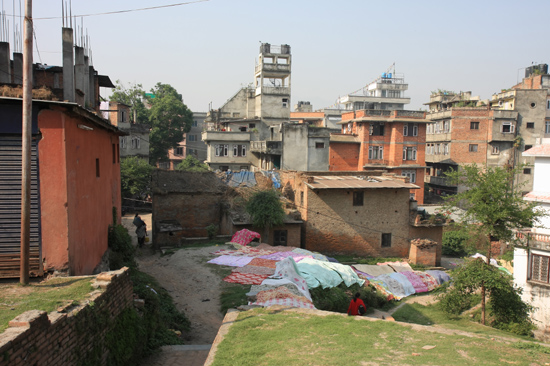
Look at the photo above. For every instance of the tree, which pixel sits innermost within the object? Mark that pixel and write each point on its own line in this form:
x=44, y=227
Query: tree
x=508, y=310
x=265, y=209
x=169, y=119
x=191, y=164
x=132, y=95
x=492, y=206
x=135, y=177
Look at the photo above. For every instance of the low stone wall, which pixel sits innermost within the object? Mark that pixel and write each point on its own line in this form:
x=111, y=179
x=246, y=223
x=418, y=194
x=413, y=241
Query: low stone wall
x=69, y=336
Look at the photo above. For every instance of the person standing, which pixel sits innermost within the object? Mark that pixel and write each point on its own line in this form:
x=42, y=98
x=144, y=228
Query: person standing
x=357, y=306
x=141, y=232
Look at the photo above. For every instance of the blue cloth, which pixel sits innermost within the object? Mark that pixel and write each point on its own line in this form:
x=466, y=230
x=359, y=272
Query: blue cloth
x=318, y=273
x=242, y=178
x=274, y=176
x=440, y=276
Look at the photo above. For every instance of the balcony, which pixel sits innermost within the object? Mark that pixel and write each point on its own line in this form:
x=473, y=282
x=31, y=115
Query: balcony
x=265, y=67
x=438, y=137
x=534, y=240
x=267, y=147
x=273, y=90
x=225, y=136
x=438, y=181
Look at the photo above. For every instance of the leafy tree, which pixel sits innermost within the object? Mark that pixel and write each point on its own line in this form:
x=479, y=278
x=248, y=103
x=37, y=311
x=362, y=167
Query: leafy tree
x=493, y=206
x=192, y=164
x=169, y=119
x=265, y=209
x=454, y=243
x=135, y=176
x=509, y=312
x=132, y=95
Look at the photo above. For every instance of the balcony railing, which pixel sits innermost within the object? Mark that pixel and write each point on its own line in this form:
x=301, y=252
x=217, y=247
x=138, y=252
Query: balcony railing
x=439, y=181
x=266, y=147
x=534, y=240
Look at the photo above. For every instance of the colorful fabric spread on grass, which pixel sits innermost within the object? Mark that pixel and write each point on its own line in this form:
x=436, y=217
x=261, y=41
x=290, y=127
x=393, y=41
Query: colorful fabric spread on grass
x=381, y=287
x=261, y=262
x=231, y=260
x=255, y=289
x=398, y=266
x=429, y=280
x=280, y=292
x=287, y=269
x=276, y=282
x=226, y=252
x=416, y=281
x=245, y=278
x=290, y=302
x=440, y=276
x=244, y=236
x=374, y=270
x=255, y=270
x=282, y=255
x=393, y=285
x=403, y=280
x=314, y=255
x=327, y=274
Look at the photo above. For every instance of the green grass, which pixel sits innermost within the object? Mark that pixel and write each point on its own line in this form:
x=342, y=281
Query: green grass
x=275, y=337
x=46, y=295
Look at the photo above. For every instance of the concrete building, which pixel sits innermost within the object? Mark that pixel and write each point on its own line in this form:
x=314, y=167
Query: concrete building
x=359, y=213
x=532, y=261
x=136, y=142
x=247, y=131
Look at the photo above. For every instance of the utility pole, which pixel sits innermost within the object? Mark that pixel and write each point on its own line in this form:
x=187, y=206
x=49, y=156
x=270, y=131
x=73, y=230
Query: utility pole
x=26, y=130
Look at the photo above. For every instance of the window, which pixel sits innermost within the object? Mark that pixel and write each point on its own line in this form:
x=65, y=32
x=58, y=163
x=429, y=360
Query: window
x=411, y=174
x=164, y=165
x=358, y=198
x=539, y=268
x=548, y=104
x=446, y=126
x=192, y=138
x=123, y=142
x=135, y=142
x=195, y=123
x=97, y=168
x=280, y=237
x=429, y=128
x=285, y=102
x=114, y=154
x=386, y=240
x=178, y=151
x=224, y=168
x=236, y=114
x=530, y=124
x=507, y=127
x=472, y=148
x=239, y=150
x=122, y=116
x=222, y=150
x=376, y=129
x=409, y=153
x=376, y=153
x=547, y=127
x=191, y=152
x=410, y=129
x=446, y=147
x=496, y=150
x=526, y=170
x=251, y=125
x=474, y=125
x=527, y=147
x=319, y=145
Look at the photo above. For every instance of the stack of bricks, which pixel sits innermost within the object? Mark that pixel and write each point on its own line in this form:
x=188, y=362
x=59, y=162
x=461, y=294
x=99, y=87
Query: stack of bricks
x=423, y=251
x=70, y=335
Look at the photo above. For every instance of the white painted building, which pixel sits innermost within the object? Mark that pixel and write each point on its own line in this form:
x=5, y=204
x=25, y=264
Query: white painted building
x=532, y=263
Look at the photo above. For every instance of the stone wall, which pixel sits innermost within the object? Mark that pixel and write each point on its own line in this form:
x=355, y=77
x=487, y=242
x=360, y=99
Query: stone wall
x=72, y=335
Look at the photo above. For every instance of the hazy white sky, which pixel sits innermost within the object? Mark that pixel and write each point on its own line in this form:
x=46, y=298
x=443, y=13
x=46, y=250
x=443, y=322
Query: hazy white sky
x=207, y=50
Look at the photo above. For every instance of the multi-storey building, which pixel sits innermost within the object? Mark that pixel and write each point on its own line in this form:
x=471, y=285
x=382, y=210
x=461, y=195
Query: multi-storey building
x=248, y=131
x=384, y=136
x=191, y=144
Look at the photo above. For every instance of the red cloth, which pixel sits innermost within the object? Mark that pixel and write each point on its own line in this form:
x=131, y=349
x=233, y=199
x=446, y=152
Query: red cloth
x=354, y=306
x=244, y=237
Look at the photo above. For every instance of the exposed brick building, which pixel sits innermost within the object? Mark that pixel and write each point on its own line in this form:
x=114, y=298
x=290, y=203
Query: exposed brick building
x=392, y=140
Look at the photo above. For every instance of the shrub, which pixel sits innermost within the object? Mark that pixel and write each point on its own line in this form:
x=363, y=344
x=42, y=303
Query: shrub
x=337, y=299
x=122, y=250
x=454, y=243
x=212, y=231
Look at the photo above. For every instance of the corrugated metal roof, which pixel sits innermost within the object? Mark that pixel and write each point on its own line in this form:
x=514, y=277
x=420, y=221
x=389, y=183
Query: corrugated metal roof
x=540, y=150
x=357, y=182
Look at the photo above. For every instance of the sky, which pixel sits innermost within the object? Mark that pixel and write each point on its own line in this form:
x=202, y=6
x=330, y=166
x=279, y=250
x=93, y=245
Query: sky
x=207, y=50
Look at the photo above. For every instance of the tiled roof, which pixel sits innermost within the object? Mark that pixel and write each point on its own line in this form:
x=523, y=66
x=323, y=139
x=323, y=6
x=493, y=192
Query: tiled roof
x=537, y=197
x=539, y=150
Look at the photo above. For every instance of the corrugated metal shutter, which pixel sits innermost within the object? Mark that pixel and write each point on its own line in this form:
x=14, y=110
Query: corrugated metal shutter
x=10, y=209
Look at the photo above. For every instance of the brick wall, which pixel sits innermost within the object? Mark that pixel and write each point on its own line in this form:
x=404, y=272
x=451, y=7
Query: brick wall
x=343, y=156
x=424, y=252
x=70, y=337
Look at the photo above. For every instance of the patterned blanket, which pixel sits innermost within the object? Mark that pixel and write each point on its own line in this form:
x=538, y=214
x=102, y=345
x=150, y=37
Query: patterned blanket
x=230, y=260
x=429, y=280
x=245, y=278
x=416, y=281
x=244, y=236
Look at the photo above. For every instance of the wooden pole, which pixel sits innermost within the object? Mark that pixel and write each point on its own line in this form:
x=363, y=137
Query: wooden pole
x=26, y=146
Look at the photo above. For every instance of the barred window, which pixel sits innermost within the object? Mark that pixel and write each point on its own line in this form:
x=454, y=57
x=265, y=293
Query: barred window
x=540, y=268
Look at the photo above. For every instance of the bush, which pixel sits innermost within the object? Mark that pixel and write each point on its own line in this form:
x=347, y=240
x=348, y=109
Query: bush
x=337, y=299
x=212, y=231
x=454, y=243
x=122, y=250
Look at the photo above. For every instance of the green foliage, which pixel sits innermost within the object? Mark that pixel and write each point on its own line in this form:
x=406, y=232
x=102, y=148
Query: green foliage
x=535, y=347
x=212, y=230
x=135, y=176
x=122, y=250
x=169, y=118
x=192, y=164
x=232, y=296
x=454, y=243
x=265, y=209
x=508, y=256
x=126, y=340
x=337, y=299
x=491, y=200
x=508, y=311
x=132, y=95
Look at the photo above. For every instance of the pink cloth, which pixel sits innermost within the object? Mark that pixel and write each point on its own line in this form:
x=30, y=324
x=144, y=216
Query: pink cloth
x=416, y=281
x=244, y=237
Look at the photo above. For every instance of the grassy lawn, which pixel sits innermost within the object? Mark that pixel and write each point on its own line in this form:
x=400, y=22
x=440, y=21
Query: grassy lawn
x=46, y=295
x=273, y=337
